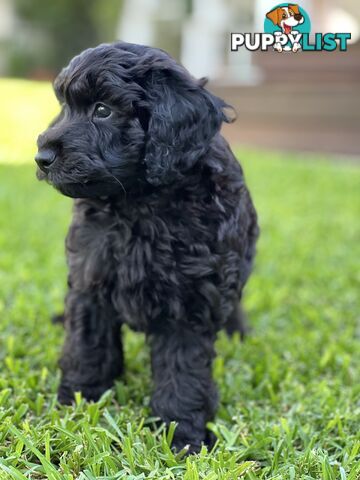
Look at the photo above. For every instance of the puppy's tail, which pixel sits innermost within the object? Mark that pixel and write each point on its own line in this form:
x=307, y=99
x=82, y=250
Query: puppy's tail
x=237, y=322
x=58, y=318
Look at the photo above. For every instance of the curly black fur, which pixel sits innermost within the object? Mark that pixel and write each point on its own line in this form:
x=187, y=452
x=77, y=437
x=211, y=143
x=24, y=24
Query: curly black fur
x=163, y=233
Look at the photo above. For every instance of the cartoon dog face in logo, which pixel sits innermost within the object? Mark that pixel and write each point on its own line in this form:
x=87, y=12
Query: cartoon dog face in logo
x=286, y=17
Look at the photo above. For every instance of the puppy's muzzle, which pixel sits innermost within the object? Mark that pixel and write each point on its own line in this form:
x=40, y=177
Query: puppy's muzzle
x=45, y=158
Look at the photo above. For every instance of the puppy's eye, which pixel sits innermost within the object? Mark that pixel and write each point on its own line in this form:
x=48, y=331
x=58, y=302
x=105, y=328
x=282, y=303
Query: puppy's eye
x=284, y=15
x=102, y=111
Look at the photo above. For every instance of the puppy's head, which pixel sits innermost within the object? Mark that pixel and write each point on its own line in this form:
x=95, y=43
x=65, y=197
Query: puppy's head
x=129, y=115
x=286, y=17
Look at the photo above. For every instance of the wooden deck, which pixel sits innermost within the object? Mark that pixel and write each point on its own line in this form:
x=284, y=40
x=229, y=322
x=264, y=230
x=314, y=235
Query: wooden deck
x=309, y=102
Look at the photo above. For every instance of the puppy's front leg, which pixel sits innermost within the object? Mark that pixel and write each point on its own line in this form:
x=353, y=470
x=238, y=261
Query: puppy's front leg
x=92, y=355
x=184, y=391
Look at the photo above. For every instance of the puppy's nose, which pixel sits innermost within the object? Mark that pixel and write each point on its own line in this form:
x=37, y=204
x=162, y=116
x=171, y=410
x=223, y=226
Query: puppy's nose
x=44, y=158
x=298, y=17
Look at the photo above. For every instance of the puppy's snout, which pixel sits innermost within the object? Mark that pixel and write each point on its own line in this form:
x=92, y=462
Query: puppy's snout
x=45, y=158
x=298, y=17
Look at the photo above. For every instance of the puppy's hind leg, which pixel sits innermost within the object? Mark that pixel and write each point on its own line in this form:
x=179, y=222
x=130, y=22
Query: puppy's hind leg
x=237, y=322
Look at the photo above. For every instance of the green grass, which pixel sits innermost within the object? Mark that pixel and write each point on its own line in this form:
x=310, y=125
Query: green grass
x=290, y=394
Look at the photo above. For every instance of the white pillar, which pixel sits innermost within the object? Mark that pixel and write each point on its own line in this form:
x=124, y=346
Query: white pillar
x=204, y=37
x=241, y=68
x=136, y=21
x=7, y=28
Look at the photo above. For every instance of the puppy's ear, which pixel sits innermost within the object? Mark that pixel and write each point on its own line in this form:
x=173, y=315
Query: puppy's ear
x=274, y=16
x=183, y=118
x=294, y=8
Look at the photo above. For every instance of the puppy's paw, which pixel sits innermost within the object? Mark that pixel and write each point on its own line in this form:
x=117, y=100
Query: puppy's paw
x=66, y=392
x=193, y=445
x=296, y=47
x=186, y=447
x=278, y=47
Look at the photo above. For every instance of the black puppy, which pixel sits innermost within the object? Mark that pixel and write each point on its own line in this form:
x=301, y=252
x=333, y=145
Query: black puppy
x=164, y=230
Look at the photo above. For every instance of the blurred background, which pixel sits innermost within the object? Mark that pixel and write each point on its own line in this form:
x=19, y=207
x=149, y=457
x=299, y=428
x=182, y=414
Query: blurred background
x=307, y=102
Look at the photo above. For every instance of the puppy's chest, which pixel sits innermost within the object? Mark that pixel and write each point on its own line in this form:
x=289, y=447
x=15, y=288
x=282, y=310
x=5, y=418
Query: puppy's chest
x=125, y=250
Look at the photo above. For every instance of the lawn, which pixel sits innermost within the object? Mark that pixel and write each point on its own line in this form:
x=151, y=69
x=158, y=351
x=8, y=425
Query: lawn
x=290, y=395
